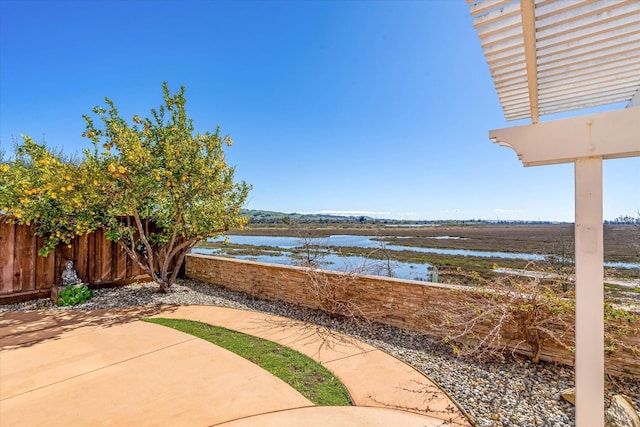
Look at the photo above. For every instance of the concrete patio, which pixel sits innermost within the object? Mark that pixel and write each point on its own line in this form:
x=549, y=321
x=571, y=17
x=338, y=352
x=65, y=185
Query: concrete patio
x=106, y=367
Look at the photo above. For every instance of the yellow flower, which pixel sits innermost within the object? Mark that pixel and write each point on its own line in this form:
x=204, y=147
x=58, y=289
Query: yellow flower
x=53, y=195
x=112, y=167
x=69, y=187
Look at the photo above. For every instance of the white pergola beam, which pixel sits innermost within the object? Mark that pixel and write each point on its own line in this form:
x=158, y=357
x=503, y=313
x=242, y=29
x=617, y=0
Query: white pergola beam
x=600, y=14
x=486, y=5
x=557, y=7
x=610, y=135
x=635, y=100
x=590, y=34
x=562, y=42
x=605, y=74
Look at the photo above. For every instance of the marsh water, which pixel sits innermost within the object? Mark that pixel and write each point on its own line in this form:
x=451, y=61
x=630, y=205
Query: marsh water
x=368, y=242
x=284, y=253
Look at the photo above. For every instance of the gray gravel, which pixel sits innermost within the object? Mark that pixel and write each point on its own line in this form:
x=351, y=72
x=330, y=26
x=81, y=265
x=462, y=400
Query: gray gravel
x=509, y=392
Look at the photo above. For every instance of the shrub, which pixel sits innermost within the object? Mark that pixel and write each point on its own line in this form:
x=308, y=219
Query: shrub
x=74, y=295
x=515, y=312
x=523, y=313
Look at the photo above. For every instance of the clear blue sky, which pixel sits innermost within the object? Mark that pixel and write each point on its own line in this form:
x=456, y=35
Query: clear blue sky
x=374, y=107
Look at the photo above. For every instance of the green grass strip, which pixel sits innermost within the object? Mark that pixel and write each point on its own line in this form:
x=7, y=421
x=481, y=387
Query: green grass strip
x=304, y=374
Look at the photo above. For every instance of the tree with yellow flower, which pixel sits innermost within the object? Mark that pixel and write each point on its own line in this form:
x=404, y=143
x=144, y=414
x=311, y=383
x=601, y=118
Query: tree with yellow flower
x=155, y=170
x=44, y=188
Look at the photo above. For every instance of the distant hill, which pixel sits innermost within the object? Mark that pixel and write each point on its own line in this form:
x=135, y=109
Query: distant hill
x=270, y=217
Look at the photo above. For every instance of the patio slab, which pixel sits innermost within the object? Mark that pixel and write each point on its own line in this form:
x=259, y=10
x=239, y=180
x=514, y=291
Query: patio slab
x=343, y=416
x=372, y=377
x=105, y=367
x=134, y=374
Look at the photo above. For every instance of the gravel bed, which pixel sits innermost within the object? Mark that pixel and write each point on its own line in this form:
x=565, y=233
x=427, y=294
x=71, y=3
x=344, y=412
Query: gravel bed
x=509, y=392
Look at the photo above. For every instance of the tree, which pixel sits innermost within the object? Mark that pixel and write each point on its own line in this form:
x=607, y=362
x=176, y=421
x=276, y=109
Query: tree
x=53, y=192
x=155, y=186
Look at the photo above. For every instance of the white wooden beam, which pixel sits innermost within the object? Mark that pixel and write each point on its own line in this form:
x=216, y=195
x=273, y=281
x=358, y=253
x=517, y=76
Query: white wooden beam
x=612, y=71
x=589, y=369
x=610, y=135
x=496, y=14
x=614, y=91
x=604, y=13
x=590, y=33
x=485, y=6
x=581, y=13
x=556, y=7
x=635, y=100
x=527, y=11
x=600, y=39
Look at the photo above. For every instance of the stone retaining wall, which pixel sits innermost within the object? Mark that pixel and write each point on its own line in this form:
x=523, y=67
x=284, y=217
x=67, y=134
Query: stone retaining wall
x=412, y=305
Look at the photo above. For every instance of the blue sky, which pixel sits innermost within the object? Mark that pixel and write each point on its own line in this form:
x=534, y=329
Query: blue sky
x=368, y=107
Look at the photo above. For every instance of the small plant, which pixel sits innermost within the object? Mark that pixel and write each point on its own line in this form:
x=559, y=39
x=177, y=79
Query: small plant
x=74, y=295
x=620, y=324
x=562, y=263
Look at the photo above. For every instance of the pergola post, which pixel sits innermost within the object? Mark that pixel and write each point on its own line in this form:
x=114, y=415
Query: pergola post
x=550, y=57
x=584, y=141
x=589, y=257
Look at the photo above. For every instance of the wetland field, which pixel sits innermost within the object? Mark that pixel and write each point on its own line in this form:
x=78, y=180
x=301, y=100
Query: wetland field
x=409, y=251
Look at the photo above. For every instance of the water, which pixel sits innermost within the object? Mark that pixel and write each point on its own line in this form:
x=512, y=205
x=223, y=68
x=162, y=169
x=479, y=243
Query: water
x=368, y=242
x=332, y=261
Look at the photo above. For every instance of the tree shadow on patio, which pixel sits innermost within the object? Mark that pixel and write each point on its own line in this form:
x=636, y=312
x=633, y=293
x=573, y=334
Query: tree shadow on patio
x=20, y=329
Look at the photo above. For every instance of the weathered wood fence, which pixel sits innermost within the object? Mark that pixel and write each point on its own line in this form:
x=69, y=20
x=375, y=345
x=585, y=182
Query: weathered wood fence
x=25, y=276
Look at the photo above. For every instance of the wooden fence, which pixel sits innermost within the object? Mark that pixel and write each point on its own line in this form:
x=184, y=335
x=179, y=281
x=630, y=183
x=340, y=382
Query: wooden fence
x=25, y=276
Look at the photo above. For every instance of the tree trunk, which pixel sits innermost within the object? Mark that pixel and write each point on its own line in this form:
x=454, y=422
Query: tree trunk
x=164, y=287
x=536, y=346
